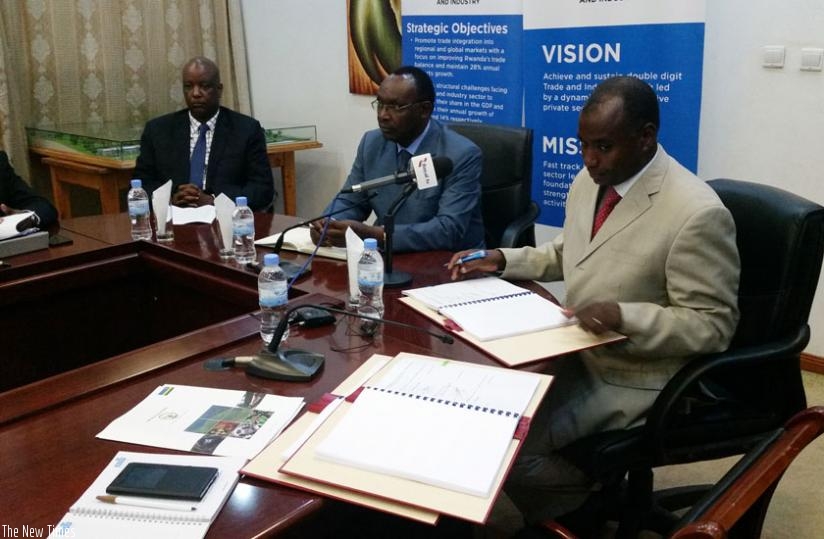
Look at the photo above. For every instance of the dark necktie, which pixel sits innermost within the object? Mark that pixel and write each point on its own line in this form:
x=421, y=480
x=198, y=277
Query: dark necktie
x=197, y=163
x=403, y=160
x=608, y=201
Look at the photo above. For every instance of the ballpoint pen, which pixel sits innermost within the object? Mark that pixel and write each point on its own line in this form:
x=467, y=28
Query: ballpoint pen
x=474, y=255
x=149, y=504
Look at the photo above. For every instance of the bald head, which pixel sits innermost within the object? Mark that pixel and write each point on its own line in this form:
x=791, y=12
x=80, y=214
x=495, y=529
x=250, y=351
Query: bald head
x=202, y=88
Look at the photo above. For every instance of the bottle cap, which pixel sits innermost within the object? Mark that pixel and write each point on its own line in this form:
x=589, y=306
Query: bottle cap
x=137, y=184
x=241, y=201
x=370, y=243
x=271, y=259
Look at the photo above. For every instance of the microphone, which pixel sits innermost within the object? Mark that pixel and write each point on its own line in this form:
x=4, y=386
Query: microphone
x=289, y=268
x=295, y=365
x=443, y=167
x=279, y=243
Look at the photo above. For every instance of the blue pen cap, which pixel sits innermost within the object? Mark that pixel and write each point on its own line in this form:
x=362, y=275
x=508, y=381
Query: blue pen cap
x=241, y=201
x=271, y=259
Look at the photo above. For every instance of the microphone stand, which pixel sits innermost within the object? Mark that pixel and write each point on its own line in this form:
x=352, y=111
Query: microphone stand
x=394, y=279
x=290, y=268
x=294, y=364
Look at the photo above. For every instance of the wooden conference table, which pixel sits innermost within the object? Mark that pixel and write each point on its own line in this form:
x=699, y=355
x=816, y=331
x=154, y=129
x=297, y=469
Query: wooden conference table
x=105, y=291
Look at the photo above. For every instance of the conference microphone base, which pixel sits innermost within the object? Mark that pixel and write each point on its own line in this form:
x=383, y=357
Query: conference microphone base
x=395, y=279
x=291, y=365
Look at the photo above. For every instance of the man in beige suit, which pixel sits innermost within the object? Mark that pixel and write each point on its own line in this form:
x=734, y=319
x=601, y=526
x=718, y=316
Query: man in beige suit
x=662, y=269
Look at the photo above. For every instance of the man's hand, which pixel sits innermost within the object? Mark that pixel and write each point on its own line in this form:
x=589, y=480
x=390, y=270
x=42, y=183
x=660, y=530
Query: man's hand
x=493, y=261
x=598, y=317
x=336, y=232
x=25, y=224
x=191, y=195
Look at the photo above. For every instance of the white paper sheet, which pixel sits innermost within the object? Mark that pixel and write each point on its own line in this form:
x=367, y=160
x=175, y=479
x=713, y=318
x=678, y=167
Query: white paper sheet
x=184, y=216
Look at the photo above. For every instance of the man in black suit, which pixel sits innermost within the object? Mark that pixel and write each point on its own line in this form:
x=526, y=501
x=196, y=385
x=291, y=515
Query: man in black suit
x=17, y=196
x=235, y=147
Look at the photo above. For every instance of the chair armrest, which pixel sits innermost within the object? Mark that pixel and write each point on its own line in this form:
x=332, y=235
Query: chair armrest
x=513, y=231
x=663, y=409
x=557, y=530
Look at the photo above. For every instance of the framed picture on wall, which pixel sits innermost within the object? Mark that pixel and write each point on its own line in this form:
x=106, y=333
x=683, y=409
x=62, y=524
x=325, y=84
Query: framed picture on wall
x=374, y=35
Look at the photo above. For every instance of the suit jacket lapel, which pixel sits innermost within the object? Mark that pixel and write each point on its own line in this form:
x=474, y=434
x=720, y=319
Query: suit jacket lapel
x=180, y=146
x=223, y=130
x=637, y=201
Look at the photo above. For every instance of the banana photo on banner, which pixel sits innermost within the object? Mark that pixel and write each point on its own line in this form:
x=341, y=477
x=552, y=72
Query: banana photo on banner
x=374, y=43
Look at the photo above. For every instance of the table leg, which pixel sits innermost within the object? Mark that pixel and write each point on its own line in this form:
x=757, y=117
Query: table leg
x=287, y=171
x=61, y=194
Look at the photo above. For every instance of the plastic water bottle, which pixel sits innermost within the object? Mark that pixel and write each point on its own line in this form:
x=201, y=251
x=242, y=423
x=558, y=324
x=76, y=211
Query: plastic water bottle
x=272, y=294
x=370, y=282
x=139, y=213
x=243, y=232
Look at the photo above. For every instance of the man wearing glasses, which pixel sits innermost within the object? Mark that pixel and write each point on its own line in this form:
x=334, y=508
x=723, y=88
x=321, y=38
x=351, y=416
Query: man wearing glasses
x=445, y=217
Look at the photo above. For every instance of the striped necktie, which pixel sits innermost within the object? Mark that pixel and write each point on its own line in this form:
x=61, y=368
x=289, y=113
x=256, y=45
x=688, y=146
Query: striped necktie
x=197, y=164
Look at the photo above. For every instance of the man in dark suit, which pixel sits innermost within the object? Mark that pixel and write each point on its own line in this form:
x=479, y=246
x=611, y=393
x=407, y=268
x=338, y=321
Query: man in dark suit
x=230, y=147
x=17, y=196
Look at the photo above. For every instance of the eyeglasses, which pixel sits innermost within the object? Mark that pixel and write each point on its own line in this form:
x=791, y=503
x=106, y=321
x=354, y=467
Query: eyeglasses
x=379, y=105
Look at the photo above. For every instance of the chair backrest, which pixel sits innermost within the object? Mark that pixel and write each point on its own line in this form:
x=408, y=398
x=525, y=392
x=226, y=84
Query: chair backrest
x=737, y=504
x=506, y=180
x=781, y=244
x=780, y=239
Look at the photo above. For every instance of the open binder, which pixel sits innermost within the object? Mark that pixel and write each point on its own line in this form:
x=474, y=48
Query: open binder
x=490, y=308
x=401, y=488
x=541, y=336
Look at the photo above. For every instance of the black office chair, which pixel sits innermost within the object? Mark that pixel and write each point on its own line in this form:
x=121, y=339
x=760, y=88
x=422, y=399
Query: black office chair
x=509, y=212
x=735, y=507
x=721, y=404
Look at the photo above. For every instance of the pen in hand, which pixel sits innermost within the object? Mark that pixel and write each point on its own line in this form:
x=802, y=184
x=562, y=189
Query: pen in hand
x=474, y=255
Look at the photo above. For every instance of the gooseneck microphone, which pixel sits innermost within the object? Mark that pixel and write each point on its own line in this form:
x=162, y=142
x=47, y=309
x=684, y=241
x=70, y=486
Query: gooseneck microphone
x=442, y=165
x=279, y=243
x=296, y=365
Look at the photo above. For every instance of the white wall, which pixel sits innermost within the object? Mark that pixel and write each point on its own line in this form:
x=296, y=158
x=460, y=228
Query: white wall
x=756, y=124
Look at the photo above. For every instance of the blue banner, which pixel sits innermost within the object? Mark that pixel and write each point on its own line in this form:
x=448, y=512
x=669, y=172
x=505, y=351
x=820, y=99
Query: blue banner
x=475, y=62
x=563, y=65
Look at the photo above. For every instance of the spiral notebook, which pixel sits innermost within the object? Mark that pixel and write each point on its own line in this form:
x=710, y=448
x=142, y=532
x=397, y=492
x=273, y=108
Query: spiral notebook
x=444, y=423
x=89, y=517
x=490, y=308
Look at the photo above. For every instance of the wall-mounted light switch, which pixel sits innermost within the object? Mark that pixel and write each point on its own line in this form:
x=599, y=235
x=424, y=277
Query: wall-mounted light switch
x=811, y=59
x=773, y=56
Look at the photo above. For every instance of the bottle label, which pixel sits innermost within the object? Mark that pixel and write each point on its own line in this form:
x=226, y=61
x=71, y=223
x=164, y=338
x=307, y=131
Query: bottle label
x=243, y=229
x=370, y=277
x=138, y=207
x=273, y=295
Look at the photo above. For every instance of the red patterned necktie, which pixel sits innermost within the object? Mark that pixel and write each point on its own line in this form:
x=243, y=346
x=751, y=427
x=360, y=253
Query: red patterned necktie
x=608, y=201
